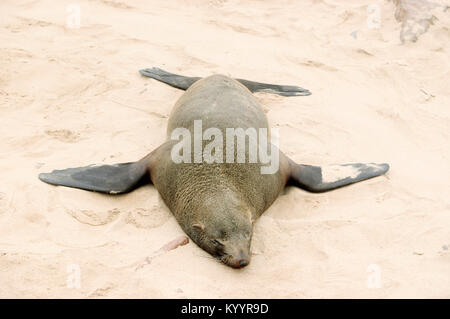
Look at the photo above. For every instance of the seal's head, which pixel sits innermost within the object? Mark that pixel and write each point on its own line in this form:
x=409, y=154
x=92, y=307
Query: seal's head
x=224, y=231
x=228, y=239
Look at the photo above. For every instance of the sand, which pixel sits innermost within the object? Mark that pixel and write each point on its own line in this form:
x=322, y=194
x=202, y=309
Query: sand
x=72, y=96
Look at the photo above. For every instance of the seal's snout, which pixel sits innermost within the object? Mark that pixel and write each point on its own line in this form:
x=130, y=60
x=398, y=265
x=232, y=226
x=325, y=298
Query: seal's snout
x=243, y=259
x=240, y=261
x=243, y=262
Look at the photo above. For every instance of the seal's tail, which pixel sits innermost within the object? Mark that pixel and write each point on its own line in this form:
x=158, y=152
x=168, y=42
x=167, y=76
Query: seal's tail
x=184, y=82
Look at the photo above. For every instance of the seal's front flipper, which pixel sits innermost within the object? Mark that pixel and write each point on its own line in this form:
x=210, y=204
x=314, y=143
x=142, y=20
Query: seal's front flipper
x=284, y=90
x=321, y=179
x=175, y=80
x=111, y=179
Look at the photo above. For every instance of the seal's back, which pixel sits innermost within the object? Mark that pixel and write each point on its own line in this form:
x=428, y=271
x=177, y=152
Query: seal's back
x=220, y=102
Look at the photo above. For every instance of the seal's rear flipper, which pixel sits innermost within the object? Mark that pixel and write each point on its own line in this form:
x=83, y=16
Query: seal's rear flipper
x=284, y=90
x=321, y=179
x=175, y=80
x=111, y=179
x=184, y=82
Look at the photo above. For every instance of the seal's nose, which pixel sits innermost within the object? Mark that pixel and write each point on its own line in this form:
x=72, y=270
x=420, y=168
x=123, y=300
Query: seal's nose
x=243, y=262
x=242, y=258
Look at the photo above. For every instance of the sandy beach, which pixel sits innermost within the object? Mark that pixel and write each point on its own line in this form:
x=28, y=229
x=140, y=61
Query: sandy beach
x=71, y=95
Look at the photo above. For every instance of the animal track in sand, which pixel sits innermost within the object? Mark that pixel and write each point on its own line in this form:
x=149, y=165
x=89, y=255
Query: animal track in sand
x=320, y=65
x=21, y=24
x=65, y=136
x=139, y=217
x=95, y=218
x=102, y=291
x=147, y=218
x=117, y=4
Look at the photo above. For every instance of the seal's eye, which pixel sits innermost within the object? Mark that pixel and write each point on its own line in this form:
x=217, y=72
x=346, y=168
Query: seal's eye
x=217, y=243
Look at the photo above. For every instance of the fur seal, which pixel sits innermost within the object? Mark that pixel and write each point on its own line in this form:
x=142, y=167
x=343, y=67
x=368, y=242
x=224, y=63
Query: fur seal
x=216, y=203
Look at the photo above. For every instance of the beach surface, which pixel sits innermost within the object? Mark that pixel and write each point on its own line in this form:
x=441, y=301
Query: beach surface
x=71, y=95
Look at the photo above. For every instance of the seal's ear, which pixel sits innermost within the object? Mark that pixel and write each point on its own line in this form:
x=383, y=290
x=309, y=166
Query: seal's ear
x=111, y=179
x=198, y=225
x=321, y=179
